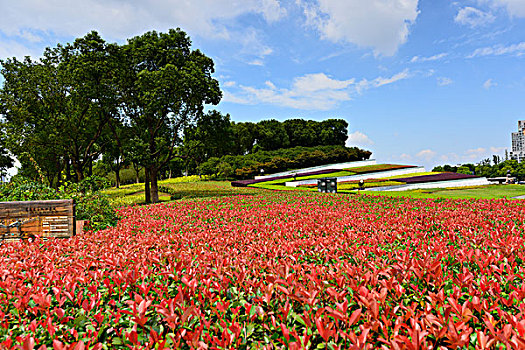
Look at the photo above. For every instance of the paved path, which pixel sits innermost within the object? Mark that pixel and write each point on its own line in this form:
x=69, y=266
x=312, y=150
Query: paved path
x=519, y=197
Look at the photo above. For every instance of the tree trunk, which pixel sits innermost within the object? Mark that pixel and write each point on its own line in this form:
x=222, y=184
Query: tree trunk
x=117, y=174
x=117, y=178
x=154, y=186
x=78, y=171
x=146, y=186
x=68, y=170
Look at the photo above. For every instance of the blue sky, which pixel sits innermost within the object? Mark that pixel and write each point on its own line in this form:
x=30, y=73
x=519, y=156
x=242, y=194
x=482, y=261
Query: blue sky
x=420, y=82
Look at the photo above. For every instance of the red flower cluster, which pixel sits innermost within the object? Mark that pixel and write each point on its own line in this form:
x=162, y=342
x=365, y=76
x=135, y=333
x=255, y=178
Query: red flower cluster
x=299, y=270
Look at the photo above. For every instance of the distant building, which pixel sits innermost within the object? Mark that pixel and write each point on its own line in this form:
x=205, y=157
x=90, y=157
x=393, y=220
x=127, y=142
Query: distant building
x=518, y=142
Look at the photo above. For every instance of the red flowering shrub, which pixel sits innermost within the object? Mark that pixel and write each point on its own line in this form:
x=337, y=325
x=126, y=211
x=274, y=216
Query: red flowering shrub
x=283, y=269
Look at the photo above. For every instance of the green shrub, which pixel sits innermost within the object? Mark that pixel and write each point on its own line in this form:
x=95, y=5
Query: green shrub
x=245, y=166
x=90, y=203
x=96, y=208
x=22, y=189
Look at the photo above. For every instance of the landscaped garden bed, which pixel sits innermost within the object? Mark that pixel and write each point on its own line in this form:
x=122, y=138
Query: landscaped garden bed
x=294, y=270
x=435, y=177
x=378, y=167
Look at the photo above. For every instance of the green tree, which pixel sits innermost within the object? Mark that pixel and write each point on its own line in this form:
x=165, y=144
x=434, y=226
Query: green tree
x=244, y=135
x=301, y=132
x=211, y=136
x=334, y=132
x=165, y=87
x=57, y=108
x=6, y=161
x=271, y=135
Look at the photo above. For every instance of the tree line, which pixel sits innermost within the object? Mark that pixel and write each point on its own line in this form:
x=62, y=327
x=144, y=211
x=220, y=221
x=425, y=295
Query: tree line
x=140, y=104
x=496, y=168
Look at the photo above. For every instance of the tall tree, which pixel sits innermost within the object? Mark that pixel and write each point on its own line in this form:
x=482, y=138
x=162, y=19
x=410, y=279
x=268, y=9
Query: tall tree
x=211, y=136
x=165, y=87
x=271, y=135
x=6, y=161
x=245, y=135
x=333, y=132
x=58, y=107
x=300, y=132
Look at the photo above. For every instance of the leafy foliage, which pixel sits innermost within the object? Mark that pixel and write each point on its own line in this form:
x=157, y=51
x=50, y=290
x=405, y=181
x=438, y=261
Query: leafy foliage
x=284, y=159
x=486, y=169
x=90, y=203
x=276, y=270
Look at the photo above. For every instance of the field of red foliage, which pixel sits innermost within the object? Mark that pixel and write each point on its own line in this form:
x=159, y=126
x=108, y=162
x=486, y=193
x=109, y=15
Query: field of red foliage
x=293, y=270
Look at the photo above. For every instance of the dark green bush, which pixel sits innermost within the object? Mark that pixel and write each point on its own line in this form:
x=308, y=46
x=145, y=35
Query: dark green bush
x=90, y=203
x=21, y=189
x=249, y=165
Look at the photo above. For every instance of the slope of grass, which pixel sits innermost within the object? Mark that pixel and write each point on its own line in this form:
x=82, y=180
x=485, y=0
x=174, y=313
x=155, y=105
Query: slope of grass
x=479, y=192
x=134, y=194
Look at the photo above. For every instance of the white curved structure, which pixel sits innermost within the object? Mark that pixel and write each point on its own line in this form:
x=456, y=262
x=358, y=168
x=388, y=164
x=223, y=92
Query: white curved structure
x=480, y=181
x=337, y=166
x=376, y=175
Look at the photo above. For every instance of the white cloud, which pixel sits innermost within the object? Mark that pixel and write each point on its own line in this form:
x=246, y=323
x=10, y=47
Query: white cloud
x=444, y=81
x=428, y=59
x=358, y=138
x=473, y=17
x=380, y=24
x=488, y=84
x=365, y=84
x=475, y=153
x=498, y=50
x=122, y=19
x=426, y=154
x=405, y=157
x=515, y=8
x=497, y=150
x=311, y=91
x=11, y=48
x=229, y=83
x=253, y=49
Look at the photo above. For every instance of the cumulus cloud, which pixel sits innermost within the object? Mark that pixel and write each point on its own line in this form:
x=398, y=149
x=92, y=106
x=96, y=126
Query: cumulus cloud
x=311, y=91
x=475, y=153
x=515, y=8
x=365, y=84
x=383, y=25
x=122, y=19
x=405, y=157
x=11, y=48
x=444, y=81
x=426, y=154
x=499, y=50
x=488, y=84
x=416, y=59
x=358, y=138
x=253, y=49
x=473, y=17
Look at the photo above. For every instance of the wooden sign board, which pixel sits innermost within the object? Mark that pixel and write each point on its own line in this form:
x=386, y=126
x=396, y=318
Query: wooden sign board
x=52, y=218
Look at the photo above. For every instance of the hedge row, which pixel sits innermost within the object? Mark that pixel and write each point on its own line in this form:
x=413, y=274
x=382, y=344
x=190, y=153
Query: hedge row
x=247, y=166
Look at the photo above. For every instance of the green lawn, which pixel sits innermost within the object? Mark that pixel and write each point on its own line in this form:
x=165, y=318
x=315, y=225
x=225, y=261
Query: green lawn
x=481, y=192
x=134, y=194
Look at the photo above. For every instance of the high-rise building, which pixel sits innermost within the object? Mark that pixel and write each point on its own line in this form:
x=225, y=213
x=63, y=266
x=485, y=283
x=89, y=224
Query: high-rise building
x=518, y=142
